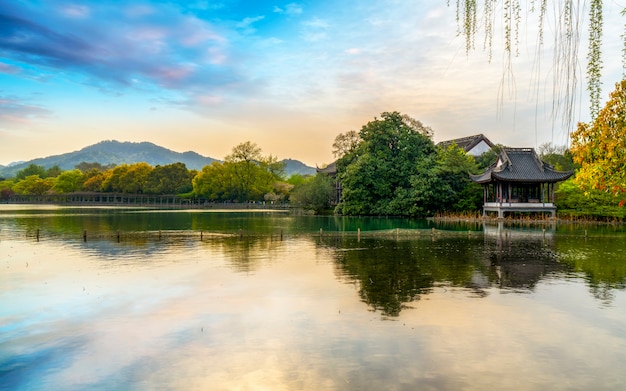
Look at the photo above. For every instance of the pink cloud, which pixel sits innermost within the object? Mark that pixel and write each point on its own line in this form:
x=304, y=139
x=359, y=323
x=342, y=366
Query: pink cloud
x=9, y=69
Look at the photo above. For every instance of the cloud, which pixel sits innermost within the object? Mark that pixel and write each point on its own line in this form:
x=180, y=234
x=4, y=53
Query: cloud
x=248, y=21
x=76, y=11
x=315, y=29
x=14, y=111
x=161, y=47
x=290, y=9
x=246, y=24
x=9, y=69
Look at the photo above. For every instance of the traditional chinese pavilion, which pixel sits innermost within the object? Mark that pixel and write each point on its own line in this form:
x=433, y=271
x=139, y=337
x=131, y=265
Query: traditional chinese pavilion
x=519, y=182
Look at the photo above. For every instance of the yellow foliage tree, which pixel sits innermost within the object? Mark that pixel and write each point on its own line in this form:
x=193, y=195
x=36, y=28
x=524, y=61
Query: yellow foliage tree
x=600, y=147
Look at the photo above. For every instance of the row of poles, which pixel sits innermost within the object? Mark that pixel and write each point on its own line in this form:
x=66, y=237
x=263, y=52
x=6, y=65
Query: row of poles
x=240, y=234
x=160, y=234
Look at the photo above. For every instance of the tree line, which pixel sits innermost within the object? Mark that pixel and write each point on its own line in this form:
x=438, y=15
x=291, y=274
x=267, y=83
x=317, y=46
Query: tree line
x=244, y=175
x=390, y=167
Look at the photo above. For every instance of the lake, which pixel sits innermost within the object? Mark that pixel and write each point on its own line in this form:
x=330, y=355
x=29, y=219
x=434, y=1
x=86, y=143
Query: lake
x=140, y=299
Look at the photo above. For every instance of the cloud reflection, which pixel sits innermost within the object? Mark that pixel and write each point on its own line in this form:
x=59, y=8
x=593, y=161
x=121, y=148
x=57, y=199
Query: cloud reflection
x=283, y=315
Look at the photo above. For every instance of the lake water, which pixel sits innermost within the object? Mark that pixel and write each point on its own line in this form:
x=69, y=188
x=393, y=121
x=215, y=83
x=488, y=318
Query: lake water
x=127, y=299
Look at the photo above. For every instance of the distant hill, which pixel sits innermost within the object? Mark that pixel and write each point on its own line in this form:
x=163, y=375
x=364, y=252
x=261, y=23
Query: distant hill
x=116, y=152
x=297, y=167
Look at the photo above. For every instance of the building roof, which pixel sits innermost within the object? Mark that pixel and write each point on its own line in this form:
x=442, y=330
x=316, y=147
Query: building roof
x=521, y=165
x=330, y=169
x=467, y=143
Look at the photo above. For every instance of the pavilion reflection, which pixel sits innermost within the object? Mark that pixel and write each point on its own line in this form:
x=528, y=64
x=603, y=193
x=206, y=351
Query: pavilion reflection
x=391, y=274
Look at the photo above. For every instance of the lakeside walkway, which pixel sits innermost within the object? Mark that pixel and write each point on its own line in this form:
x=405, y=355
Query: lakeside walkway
x=137, y=200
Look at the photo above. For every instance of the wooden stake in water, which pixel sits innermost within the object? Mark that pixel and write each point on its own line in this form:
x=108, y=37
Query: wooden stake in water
x=84, y=235
x=37, y=234
x=358, y=234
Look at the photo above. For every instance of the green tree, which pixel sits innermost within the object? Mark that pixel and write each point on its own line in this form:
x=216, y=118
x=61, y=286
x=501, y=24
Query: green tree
x=32, y=169
x=86, y=167
x=33, y=185
x=252, y=174
x=346, y=143
x=69, y=181
x=214, y=183
x=315, y=194
x=560, y=157
x=486, y=159
x=173, y=178
x=6, y=189
x=53, y=171
x=593, y=203
x=297, y=179
x=242, y=163
x=600, y=147
x=126, y=178
x=381, y=166
x=454, y=167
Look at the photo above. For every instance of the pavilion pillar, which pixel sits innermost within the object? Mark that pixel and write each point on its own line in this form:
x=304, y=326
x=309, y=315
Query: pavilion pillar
x=508, y=194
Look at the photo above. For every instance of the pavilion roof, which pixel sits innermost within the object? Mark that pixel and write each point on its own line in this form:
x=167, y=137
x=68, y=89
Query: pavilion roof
x=330, y=169
x=521, y=165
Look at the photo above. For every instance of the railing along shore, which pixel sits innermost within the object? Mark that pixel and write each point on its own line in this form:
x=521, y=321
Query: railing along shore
x=137, y=200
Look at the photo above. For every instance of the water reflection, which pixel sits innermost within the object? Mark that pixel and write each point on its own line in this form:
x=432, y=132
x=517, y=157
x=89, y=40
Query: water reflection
x=210, y=308
x=392, y=274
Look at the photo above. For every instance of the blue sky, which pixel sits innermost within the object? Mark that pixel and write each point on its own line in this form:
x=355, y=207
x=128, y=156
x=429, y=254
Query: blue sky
x=288, y=76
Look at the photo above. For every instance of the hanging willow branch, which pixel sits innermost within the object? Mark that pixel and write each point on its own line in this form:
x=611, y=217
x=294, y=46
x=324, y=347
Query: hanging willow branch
x=594, y=57
x=624, y=48
x=569, y=16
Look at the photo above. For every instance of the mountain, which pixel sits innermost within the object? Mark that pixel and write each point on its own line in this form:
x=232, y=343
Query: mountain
x=297, y=167
x=116, y=152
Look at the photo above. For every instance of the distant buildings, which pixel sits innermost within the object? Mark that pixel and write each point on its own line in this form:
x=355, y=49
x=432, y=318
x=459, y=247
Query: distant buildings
x=473, y=145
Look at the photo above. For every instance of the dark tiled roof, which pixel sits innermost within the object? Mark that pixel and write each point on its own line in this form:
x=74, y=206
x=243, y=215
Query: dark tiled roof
x=521, y=165
x=330, y=169
x=467, y=143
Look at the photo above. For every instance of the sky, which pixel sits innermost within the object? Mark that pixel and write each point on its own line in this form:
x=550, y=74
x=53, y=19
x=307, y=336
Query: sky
x=205, y=75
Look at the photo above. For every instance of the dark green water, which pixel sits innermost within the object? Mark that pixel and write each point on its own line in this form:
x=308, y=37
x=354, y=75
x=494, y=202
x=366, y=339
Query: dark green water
x=196, y=300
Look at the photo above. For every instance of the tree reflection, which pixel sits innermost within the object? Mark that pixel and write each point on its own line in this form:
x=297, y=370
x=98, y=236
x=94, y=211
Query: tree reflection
x=393, y=273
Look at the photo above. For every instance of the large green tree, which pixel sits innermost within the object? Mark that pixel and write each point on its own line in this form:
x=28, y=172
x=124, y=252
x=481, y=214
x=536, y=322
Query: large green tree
x=172, y=178
x=379, y=169
x=69, y=181
x=243, y=163
x=214, y=183
x=32, y=169
x=245, y=175
x=441, y=184
x=127, y=178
